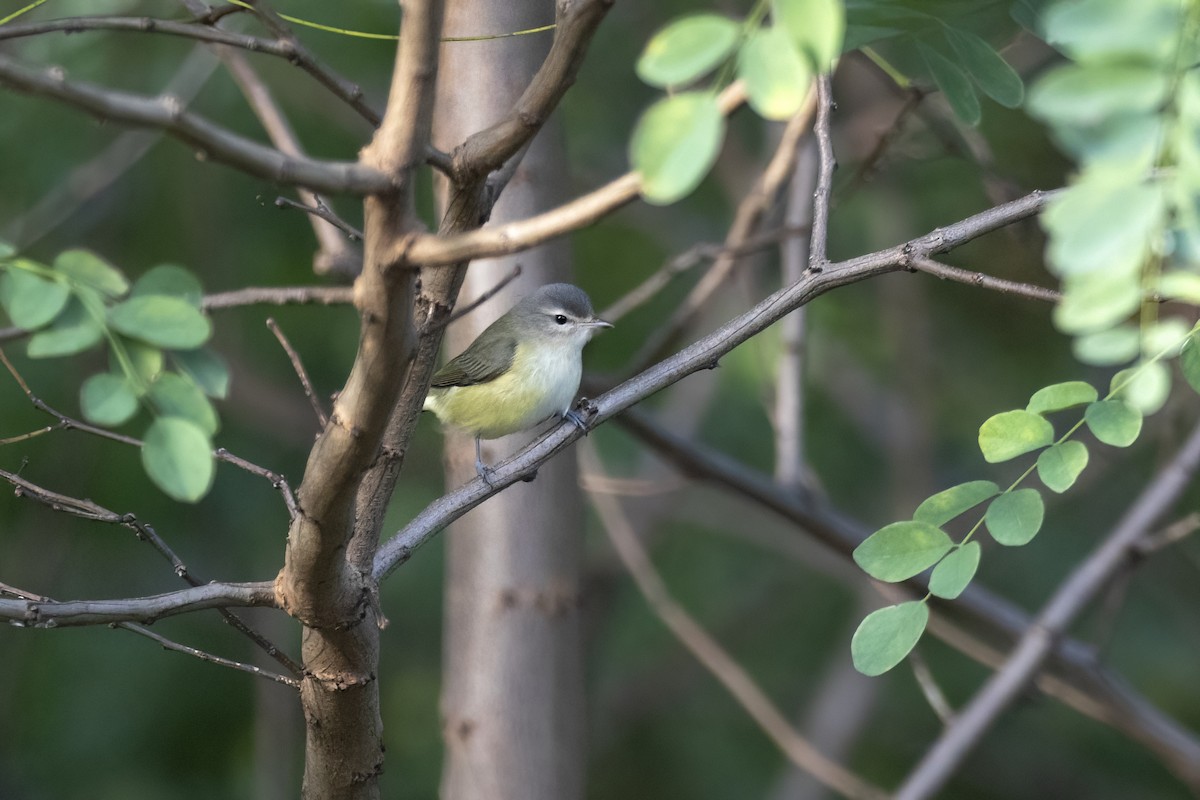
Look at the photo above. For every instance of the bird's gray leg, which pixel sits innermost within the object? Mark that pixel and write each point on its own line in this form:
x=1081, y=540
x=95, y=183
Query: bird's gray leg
x=481, y=469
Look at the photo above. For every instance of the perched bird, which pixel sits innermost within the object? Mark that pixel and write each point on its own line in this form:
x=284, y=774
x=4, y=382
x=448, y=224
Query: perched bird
x=524, y=368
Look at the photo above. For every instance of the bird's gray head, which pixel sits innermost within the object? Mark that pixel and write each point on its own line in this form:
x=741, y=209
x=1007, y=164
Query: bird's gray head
x=561, y=311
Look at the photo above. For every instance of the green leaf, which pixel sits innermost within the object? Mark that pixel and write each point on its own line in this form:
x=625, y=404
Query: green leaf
x=901, y=550
x=1060, y=396
x=30, y=300
x=1096, y=301
x=1164, y=337
x=1144, y=387
x=675, y=144
x=207, y=369
x=777, y=79
x=887, y=636
x=175, y=396
x=950, y=503
x=1013, y=433
x=1088, y=95
x=107, y=399
x=73, y=331
x=7, y=250
x=1114, y=422
x=1189, y=361
x=952, y=574
x=1014, y=518
x=687, y=49
x=88, y=269
x=1108, y=347
x=178, y=457
x=1058, y=466
x=145, y=360
x=1101, y=29
x=170, y=280
x=165, y=321
x=817, y=28
x=1103, y=222
x=995, y=77
x=954, y=84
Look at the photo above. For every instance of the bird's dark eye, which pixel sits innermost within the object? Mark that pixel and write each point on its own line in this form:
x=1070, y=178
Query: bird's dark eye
x=561, y=319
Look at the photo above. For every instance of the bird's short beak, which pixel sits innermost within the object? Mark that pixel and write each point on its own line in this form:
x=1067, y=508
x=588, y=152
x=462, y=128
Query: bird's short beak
x=596, y=322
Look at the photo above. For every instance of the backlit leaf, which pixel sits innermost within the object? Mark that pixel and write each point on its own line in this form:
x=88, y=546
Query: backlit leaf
x=1016, y=517
x=950, y=503
x=675, y=144
x=1013, y=433
x=952, y=574
x=178, y=457
x=1058, y=466
x=687, y=49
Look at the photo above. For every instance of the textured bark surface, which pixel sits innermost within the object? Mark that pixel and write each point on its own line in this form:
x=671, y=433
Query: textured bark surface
x=512, y=702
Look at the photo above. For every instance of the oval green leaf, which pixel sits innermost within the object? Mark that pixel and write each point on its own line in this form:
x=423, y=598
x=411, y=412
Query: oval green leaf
x=901, y=550
x=687, y=49
x=952, y=574
x=175, y=396
x=1097, y=301
x=675, y=144
x=1058, y=466
x=777, y=78
x=170, y=280
x=178, y=458
x=954, y=84
x=107, y=399
x=992, y=73
x=1108, y=347
x=949, y=503
x=73, y=331
x=1015, y=518
x=161, y=320
x=1144, y=387
x=85, y=268
x=1060, y=396
x=1189, y=360
x=1013, y=433
x=206, y=368
x=1114, y=422
x=887, y=636
x=30, y=300
x=816, y=27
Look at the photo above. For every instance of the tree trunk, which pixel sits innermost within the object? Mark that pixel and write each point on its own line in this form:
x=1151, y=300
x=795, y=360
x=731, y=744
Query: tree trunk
x=512, y=701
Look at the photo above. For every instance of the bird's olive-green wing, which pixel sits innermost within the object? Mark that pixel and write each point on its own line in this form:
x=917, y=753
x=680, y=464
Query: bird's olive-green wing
x=479, y=363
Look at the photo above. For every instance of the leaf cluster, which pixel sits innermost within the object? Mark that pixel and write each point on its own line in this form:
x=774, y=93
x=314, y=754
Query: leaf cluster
x=154, y=330
x=677, y=139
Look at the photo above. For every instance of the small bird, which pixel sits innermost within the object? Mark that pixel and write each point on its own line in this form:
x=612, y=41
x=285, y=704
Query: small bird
x=521, y=370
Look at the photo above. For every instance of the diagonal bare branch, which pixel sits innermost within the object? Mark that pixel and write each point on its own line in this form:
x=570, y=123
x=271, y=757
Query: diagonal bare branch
x=211, y=141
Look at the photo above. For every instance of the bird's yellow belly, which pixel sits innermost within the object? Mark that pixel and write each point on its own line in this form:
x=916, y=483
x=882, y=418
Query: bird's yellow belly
x=532, y=389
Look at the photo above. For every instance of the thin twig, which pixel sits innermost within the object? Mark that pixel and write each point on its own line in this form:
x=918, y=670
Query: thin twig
x=818, y=247
x=321, y=210
x=203, y=31
x=940, y=270
x=279, y=296
x=87, y=509
x=301, y=372
x=710, y=654
x=1073, y=597
x=462, y=311
x=929, y=687
x=787, y=415
x=221, y=454
x=78, y=613
x=685, y=260
x=164, y=642
x=749, y=215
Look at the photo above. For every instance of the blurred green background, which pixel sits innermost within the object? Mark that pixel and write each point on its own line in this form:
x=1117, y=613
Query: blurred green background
x=901, y=372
